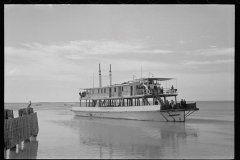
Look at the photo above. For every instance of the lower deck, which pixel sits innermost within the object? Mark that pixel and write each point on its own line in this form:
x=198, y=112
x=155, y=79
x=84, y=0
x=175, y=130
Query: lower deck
x=144, y=113
x=175, y=116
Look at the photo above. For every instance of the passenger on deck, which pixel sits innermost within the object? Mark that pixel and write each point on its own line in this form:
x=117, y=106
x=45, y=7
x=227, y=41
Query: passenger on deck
x=80, y=94
x=163, y=106
x=83, y=94
x=184, y=103
x=172, y=88
x=155, y=87
x=159, y=89
x=162, y=90
x=172, y=104
x=167, y=104
x=181, y=103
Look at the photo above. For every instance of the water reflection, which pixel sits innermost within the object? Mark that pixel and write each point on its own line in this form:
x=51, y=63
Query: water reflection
x=132, y=139
x=24, y=150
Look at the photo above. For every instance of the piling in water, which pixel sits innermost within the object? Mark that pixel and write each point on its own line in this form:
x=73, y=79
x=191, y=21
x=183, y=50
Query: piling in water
x=8, y=114
x=21, y=128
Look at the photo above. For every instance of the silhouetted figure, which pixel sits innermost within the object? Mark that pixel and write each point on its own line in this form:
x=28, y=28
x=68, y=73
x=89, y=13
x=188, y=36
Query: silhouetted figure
x=29, y=106
x=181, y=102
x=172, y=104
x=184, y=103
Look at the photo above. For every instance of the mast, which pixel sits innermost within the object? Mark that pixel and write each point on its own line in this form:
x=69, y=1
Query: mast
x=110, y=75
x=100, y=78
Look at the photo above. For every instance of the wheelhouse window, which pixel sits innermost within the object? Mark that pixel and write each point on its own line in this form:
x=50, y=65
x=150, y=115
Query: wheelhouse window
x=115, y=89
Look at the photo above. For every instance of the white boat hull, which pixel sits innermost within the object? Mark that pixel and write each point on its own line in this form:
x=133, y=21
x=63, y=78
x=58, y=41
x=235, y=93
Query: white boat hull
x=144, y=113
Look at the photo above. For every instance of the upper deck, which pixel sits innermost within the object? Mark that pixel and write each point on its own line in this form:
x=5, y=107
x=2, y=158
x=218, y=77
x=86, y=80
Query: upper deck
x=136, y=88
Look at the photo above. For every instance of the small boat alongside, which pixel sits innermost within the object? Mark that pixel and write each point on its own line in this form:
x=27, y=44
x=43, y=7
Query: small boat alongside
x=139, y=99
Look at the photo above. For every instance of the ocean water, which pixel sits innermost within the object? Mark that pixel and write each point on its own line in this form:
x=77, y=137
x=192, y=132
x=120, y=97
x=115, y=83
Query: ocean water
x=207, y=133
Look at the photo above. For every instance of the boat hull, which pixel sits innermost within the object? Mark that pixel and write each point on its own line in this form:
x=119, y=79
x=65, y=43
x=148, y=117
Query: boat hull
x=143, y=113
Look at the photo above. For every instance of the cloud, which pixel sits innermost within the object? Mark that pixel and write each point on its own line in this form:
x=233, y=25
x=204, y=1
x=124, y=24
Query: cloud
x=194, y=63
x=182, y=41
x=71, y=60
x=213, y=52
x=83, y=48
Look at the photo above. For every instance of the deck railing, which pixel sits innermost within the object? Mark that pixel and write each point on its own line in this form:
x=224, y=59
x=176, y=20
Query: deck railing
x=179, y=106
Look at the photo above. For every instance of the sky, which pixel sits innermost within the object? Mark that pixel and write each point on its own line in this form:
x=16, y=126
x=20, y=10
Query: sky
x=50, y=51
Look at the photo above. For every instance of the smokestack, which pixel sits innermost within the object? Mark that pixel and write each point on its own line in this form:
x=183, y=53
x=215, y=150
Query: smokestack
x=100, y=78
x=110, y=75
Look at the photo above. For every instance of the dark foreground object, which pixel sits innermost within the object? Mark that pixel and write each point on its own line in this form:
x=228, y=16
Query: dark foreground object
x=21, y=128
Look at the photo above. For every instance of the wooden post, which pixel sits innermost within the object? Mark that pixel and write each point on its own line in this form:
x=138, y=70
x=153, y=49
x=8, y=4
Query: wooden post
x=19, y=129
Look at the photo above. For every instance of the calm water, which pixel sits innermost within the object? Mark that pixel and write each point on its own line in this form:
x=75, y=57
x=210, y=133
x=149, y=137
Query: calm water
x=207, y=133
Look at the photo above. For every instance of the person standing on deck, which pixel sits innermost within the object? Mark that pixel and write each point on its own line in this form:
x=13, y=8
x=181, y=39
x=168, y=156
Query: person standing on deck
x=158, y=89
x=172, y=104
x=184, y=103
x=162, y=90
x=181, y=103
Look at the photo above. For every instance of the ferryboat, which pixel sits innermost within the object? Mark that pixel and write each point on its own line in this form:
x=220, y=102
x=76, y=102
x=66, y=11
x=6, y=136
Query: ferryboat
x=139, y=99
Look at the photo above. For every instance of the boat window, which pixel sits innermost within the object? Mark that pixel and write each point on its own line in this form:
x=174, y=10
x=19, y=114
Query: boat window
x=101, y=90
x=122, y=88
x=115, y=89
x=93, y=91
x=98, y=91
x=104, y=90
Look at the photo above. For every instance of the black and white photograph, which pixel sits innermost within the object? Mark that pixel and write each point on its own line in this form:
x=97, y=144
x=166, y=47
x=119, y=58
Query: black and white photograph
x=119, y=81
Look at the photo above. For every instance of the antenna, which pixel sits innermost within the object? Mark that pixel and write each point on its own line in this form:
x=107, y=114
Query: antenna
x=110, y=75
x=100, y=79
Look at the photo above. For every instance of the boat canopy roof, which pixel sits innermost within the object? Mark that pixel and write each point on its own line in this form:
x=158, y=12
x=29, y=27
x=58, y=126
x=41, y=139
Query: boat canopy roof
x=132, y=81
x=159, y=79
